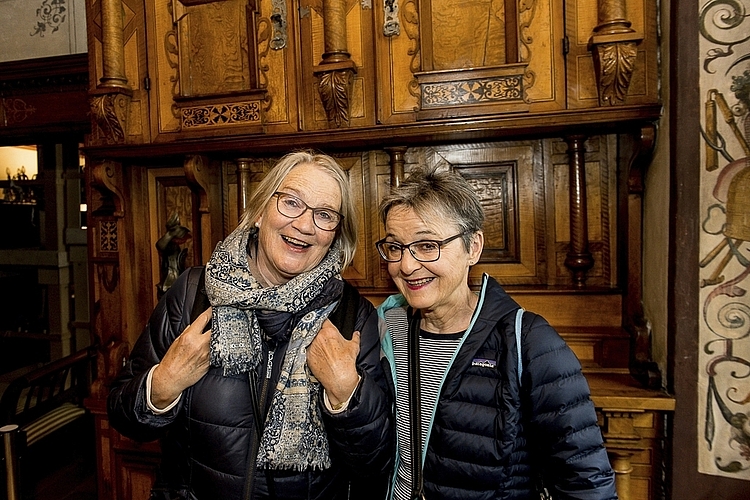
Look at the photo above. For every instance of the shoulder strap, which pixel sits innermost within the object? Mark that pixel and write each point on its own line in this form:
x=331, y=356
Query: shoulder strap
x=519, y=321
x=200, y=302
x=345, y=314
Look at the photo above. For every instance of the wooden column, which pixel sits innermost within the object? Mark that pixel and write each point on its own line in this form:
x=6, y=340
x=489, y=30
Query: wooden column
x=110, y=101
x=579, y=259
x=113, y=48
x=336, y=70
x=244, y=175
x=397, y=164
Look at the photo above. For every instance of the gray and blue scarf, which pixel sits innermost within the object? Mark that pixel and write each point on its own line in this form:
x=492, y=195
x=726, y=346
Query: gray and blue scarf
x=244, y=315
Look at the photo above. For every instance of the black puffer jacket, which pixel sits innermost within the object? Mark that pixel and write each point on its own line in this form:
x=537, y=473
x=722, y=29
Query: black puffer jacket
x=487, y=424
x=206, y=438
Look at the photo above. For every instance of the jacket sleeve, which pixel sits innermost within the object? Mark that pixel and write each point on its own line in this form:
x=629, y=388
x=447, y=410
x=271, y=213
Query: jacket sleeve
x=564, y=426
x=126, y=403
x=363, y=435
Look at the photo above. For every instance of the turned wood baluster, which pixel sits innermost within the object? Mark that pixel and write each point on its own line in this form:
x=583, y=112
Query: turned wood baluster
x=244, y=175
x=397, y=164
x=579, y=259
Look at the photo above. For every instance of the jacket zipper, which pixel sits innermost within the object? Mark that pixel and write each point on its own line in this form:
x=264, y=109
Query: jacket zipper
x=258, y=406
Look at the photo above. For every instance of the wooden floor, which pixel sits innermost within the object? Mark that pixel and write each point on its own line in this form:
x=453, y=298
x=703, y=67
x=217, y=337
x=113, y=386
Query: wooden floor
x=61, y=467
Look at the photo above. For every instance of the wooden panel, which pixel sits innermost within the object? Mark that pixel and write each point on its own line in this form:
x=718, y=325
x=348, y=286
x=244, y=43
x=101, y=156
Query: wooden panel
x=517, y=260
x=358, y=272
x=279, y=71
x=398, y=57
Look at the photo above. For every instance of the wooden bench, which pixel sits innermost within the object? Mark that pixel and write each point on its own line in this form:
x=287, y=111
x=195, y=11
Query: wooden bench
x=42, y=401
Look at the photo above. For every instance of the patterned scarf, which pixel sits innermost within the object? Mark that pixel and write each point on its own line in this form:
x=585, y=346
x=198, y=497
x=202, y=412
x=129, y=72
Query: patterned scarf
x=293, y=436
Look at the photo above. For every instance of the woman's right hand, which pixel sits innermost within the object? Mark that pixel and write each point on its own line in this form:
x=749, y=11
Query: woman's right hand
x=184, y=363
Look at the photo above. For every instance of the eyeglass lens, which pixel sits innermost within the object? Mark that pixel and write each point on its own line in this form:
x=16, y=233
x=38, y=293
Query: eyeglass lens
x=423, y=251
x=292, y=207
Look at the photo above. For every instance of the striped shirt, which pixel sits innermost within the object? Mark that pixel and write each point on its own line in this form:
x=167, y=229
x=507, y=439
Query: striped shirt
x=435, y=353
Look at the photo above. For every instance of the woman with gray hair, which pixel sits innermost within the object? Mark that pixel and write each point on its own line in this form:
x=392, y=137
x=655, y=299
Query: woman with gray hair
x=283, y=396
x=490, y=401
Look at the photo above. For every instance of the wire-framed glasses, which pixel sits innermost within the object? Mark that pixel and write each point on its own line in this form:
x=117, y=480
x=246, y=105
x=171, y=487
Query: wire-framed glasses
x=290, y=206
x=422, y=250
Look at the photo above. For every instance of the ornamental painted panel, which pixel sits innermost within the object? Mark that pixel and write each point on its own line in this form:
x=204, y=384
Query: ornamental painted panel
x=723, y=432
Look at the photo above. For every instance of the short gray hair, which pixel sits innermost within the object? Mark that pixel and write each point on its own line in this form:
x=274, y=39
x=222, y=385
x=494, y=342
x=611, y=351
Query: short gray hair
x=432, y=193
x=346, y=233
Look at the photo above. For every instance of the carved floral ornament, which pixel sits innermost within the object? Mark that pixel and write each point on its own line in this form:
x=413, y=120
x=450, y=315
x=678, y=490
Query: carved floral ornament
x=614, y=47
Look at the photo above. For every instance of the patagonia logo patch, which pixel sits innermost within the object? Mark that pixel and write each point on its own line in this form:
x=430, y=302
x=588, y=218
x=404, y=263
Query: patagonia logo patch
x=484, y=363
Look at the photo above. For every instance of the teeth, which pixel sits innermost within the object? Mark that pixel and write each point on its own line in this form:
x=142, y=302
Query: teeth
x=420, y=282
x=295, y=242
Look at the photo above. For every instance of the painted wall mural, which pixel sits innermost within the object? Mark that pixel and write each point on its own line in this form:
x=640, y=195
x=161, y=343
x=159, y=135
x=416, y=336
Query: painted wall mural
x=724, y=379
x=31, y=29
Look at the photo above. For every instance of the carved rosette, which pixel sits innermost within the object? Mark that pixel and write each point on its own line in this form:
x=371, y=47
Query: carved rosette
x=109, y=117
x=335, y=87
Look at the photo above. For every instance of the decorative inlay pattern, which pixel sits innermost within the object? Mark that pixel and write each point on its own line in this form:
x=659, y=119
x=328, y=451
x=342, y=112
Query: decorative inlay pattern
x=214, y=115
x=485, y=90
x=108, y=236
x=16, y=110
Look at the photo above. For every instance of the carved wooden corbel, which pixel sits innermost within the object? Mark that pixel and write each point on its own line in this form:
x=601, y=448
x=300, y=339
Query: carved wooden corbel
x=336, y=71
x=614, y=45
x=106, y=212
x=110, y=101
x=109, y=114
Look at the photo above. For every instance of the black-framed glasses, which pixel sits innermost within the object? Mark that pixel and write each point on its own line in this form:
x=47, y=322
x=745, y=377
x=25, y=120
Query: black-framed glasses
x=290, y=206
x=422, y=250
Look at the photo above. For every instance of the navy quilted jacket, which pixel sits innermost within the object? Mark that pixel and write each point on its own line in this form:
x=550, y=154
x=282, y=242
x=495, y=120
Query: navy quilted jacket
x=205, y=439
x=486, y=424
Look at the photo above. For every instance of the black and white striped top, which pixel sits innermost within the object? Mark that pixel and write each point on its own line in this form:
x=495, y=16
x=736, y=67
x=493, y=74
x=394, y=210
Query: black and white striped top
x=436, y=351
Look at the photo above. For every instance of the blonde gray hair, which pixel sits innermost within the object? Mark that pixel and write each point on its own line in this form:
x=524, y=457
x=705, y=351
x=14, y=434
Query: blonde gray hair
x=346, y=233
x=438, y=195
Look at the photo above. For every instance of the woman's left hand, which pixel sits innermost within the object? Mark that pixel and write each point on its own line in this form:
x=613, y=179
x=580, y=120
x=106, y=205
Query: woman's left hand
x=333, y=361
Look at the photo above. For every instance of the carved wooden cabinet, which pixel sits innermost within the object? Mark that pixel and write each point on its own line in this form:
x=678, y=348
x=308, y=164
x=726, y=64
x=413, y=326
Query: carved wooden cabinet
x=547, y=107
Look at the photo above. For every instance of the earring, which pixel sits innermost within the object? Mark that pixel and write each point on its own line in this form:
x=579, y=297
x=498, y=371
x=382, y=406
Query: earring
x=257, y=224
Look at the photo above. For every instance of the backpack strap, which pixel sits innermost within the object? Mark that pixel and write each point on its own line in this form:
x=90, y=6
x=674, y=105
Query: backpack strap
x=519, y=321
x=200, y=302
x=345, y=314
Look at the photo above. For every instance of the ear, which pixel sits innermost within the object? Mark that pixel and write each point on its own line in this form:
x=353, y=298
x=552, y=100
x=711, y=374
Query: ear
x=477, y=244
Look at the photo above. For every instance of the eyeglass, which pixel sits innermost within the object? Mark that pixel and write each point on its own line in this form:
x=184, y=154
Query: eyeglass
x=422, y=250
x=292, y=207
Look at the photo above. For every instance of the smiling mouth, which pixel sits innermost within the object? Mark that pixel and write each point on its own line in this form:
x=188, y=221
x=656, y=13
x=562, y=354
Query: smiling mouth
x=295, y=242
x=418, y=283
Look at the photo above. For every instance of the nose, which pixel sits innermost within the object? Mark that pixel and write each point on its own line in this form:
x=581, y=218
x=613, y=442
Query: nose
x=305, y=223
x=408, y=264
